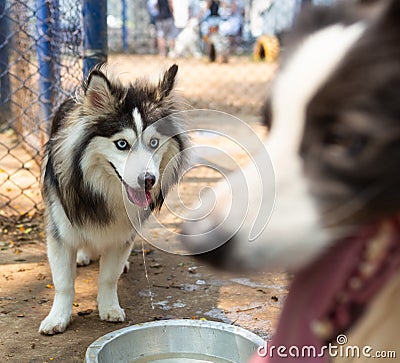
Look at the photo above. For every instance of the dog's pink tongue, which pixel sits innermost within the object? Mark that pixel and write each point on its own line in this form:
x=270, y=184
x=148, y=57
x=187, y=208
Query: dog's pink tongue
x=139, y=197
x=310, y=295
x=314, y=291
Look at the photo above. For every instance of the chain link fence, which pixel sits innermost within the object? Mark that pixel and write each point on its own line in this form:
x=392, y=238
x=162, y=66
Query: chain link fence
x=37, y=39
x=42, y=57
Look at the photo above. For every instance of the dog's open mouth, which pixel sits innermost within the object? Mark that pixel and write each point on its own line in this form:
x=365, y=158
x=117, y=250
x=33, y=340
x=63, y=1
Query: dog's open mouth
x=327, y=297
x=140, y=197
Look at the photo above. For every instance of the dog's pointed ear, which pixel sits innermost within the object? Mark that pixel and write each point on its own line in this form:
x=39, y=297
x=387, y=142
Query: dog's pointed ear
x=98, y=91
x=167, y=82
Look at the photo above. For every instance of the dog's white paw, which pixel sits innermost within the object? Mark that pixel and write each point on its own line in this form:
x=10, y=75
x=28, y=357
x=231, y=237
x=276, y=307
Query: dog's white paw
x=83, y=258
x=112, y=313
x=54, y=324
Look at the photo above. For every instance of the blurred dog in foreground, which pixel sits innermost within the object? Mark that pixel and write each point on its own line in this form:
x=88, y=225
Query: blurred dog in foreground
x=334, y=143
x=113, y=154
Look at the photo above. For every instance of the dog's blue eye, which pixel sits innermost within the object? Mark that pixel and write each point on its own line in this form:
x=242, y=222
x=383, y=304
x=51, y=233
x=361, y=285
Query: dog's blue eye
x=154, y=143
x=121, y=144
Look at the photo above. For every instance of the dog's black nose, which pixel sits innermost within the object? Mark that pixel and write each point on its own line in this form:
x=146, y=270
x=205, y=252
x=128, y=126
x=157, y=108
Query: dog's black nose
x=146, y=181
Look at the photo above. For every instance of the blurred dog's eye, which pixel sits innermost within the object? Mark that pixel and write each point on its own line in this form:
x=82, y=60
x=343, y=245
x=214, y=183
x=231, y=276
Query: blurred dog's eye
x=351, y=143
x=154, y=143
x=122, y=144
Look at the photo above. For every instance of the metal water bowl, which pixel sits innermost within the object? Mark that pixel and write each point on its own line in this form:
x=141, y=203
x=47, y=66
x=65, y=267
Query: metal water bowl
x=175, y=341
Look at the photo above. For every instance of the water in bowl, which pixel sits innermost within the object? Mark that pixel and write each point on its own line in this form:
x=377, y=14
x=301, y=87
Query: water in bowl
x=180, y=358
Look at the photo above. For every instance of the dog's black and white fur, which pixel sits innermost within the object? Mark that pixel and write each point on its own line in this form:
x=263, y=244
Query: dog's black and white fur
x=334, y=142
x=109, y=149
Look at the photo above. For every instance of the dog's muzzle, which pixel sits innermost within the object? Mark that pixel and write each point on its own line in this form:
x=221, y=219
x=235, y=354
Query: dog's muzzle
x=146, y=181
x=138, y=196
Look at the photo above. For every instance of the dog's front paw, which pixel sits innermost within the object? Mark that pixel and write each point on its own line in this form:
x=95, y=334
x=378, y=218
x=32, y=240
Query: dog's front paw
x=112, y=313
x=54, y=324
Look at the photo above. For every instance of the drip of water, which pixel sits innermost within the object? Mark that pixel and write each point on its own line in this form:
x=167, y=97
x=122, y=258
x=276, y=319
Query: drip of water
x=145, y=266
x=147, y=277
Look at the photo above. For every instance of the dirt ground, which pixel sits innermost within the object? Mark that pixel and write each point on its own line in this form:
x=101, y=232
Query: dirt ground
x=238, y=87
x=178, y=287
x=174, y=286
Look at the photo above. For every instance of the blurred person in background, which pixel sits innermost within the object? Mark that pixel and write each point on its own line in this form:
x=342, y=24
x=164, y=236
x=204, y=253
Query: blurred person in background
x=232, y=14
x=276, y=17
x=210, y=20
x=222, y=22
x=209, y=17
x=163, y=13
x=152, y=9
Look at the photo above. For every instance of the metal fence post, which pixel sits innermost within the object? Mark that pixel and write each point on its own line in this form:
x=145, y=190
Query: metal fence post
x=124, y=27
x=46, y=25
x=94, y=33
x=4, y=59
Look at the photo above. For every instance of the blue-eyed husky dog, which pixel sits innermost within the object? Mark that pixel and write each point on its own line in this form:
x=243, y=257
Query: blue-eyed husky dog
x=108, y=150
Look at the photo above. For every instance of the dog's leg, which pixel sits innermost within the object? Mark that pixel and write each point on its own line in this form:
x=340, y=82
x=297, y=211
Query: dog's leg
x=111, y=266
x=62, y=259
